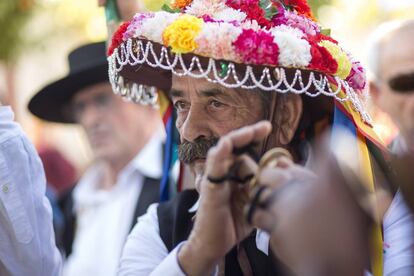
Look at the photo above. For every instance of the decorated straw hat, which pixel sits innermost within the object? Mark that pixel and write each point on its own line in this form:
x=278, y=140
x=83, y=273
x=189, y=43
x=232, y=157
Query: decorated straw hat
x=274, y=46
x=270, y=45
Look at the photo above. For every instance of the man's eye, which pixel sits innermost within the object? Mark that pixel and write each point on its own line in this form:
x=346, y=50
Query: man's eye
x=180, y=105
x=216, y=104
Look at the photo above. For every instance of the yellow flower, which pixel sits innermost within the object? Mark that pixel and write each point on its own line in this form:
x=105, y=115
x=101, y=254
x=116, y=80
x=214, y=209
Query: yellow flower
x=181, y=34
x=344, y=63
x=180, y=4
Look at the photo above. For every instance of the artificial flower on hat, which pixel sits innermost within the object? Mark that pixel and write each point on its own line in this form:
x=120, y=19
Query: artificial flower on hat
x=276, y=35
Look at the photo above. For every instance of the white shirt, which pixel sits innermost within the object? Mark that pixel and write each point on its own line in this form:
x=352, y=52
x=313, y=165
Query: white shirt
x=104, y=217
x=27, y=241
x=398, y=239
x=399, y=231
x=146, y=254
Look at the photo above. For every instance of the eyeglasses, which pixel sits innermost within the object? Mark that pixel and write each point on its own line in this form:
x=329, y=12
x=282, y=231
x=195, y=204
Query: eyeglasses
x=402, y=84
x=101, y=102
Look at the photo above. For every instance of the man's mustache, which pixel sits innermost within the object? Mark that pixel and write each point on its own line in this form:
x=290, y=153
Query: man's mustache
x=190, y=151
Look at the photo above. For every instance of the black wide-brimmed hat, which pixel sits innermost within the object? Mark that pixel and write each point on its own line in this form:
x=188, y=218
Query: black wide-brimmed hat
x=87, y=66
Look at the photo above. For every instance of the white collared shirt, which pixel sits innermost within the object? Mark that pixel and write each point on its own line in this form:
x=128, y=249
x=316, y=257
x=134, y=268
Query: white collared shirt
x=398, y=230
x=27, y=241
x=104, y=217
x=146, y=254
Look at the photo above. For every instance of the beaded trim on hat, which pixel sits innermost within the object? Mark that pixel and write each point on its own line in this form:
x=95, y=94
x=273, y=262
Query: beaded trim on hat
x=133, y=92
x=134, y=52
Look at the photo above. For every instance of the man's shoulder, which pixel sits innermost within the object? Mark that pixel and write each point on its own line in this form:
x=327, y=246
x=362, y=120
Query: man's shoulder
x=184, y=197
x=175, y=219
x=179, y=205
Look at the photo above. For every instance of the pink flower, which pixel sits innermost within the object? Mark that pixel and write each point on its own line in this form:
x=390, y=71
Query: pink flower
x=209, y=19
x=257, y=47
x=295, y=20
x=136, y=23
x=216, y=40
x=357, y=77
x=280, y=18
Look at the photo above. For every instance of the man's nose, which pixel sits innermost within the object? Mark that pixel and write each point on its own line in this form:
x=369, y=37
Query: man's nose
x=196, y=125
x=89, y=116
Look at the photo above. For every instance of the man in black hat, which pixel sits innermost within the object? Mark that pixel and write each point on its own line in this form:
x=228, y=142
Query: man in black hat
x=126, y=141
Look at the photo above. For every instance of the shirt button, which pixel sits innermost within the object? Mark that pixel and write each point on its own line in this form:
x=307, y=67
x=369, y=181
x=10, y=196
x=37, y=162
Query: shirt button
x=5, y=188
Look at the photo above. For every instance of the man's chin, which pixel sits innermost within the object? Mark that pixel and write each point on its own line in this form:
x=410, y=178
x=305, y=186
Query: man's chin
x=197, y=167
x=103, y=153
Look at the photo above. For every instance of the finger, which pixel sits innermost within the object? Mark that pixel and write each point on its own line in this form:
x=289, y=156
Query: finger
x=301, y=173
x=219, y=159
x=264, y=220
x=244, y=169
x=284, y=162
x=101, y=3
x=249, y=134
x=273, y=177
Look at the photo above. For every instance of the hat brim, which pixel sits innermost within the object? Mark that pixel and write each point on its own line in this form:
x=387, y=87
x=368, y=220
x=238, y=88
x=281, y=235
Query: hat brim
x=139, y=56
x=131, y=58
x=52, y=102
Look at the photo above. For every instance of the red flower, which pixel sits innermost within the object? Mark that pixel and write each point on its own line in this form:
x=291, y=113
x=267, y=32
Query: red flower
x=322, y=60
x=320, y=37
x=301, y=6
x=117, y=37
x=252, y=9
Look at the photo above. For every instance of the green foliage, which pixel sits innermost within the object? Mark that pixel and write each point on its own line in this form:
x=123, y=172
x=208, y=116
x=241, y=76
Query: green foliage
x=269, y=9
x=167, y=8
x=316, y=4
x=14, y=15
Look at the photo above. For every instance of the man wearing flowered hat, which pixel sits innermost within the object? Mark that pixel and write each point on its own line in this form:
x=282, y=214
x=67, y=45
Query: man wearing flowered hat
x=227, y=58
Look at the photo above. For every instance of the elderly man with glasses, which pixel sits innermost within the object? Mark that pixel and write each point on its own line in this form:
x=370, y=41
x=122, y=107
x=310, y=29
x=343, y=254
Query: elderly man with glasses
x=126, y=142
x=391, y=60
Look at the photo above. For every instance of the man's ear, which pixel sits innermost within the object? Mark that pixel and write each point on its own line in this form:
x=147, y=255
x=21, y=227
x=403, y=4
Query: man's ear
x=289, y=117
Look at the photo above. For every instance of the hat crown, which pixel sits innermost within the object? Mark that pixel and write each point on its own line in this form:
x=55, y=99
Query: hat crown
x=86, y=57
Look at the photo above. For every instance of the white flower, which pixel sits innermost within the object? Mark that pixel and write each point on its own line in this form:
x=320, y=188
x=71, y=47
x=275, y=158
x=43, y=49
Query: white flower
x=205, y=7
x=216, y=40
x=229, y=14
x=294, y=51
x=251, y=24
x=153, y=28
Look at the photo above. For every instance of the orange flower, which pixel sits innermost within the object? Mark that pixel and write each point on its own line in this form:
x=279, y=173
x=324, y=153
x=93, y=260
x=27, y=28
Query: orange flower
x=180, y=4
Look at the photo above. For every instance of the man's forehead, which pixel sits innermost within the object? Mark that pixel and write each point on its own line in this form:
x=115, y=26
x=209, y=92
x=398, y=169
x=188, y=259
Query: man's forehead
x=182, y=86
x=398, y=55
x=92, y=91
x=186, y=83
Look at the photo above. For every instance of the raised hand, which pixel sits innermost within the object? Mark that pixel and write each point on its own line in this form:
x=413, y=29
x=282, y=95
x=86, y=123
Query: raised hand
x=219, y=223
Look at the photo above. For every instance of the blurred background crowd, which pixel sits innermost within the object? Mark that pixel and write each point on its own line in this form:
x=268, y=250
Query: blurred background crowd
x=37, y=35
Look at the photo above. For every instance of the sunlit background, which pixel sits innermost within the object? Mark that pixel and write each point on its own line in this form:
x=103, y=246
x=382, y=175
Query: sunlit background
x=36, y=36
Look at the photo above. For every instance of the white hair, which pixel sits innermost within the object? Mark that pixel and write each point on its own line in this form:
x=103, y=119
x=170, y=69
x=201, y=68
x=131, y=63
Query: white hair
x=377, y=40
